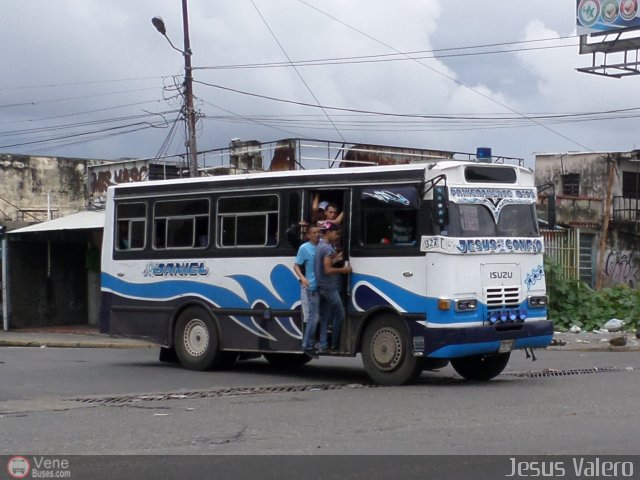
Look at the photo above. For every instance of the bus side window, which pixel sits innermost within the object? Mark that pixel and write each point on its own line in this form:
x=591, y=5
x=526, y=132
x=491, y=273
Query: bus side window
x=131, y=221
x=181, y=223
x=248, y=221
x=389, y=216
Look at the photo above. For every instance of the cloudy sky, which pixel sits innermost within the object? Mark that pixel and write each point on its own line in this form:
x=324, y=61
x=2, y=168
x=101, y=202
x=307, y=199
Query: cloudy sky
x=93, y=78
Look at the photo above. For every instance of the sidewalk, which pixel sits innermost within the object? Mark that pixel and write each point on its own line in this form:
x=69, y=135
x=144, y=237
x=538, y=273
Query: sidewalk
x=72, y=336
x=87, y=336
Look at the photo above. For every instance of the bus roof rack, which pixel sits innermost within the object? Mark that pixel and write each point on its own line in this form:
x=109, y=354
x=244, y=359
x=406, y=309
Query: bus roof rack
x=244, y=156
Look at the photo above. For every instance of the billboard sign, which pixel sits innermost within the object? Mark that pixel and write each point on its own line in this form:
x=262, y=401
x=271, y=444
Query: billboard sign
x=605, y=16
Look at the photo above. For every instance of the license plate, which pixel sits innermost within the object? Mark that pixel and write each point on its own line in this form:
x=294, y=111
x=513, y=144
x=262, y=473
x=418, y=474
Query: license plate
x=506, y=346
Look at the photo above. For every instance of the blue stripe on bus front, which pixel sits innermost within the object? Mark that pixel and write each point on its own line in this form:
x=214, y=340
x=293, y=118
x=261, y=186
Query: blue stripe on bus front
x=370, y=292
x=463, y=350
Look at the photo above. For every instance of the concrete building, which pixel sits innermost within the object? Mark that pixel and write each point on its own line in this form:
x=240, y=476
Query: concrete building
x=598, y=194
x=52, y=210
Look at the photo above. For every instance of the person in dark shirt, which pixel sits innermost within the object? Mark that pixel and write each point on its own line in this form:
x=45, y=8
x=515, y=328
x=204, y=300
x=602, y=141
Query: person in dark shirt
x=329, y=280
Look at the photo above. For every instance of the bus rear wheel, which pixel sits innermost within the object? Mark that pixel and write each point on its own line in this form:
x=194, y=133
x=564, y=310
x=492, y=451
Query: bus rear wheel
x=386, y=352
x=196, y=340
x=480, y=367
x=287, y=359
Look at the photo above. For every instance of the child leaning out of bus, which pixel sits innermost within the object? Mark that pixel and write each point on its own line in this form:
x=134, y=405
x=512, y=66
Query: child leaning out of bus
x=303, y=266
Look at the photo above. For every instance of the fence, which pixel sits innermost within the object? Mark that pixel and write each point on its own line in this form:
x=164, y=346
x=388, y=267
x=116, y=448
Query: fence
x=563, y=246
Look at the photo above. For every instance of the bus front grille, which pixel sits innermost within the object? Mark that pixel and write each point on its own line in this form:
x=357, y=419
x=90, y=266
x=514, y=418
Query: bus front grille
x=502, y=297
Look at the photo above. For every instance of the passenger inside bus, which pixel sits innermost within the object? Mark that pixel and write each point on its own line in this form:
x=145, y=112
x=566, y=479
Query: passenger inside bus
x=325, y=210
x=123, y=235
x=402, y=228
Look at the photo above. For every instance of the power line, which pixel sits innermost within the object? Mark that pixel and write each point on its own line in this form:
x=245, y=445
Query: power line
x=81, y=97
x=77, y=114
x=83, y=124
x=296, y=70
x=237, y=116
x=89, y=140
x=164, y=148
x=353, y=122
x=75, y=84
x=90, y=132
x=395, y=57
x=520, y=116
x=449, y=77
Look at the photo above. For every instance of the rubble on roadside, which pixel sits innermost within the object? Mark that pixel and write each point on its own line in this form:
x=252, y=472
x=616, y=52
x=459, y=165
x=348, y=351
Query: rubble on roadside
x=596, y=340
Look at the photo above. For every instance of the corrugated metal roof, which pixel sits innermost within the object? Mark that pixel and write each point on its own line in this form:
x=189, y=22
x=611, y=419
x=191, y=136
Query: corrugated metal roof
x=78, y=221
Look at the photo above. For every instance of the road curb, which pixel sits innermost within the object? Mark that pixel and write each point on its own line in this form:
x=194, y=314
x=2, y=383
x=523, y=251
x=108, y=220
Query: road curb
x=72, y=344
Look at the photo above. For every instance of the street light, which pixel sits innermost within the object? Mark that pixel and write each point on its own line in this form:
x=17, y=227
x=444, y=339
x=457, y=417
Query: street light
x=190, y=113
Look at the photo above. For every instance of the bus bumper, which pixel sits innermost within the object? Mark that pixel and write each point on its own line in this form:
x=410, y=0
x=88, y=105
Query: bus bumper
x=487, y=339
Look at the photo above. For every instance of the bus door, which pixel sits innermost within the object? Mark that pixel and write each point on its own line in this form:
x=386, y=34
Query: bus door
x=334, y=206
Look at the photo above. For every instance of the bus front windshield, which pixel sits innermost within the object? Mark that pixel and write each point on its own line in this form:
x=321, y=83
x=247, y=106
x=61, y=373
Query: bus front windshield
x=472, y=220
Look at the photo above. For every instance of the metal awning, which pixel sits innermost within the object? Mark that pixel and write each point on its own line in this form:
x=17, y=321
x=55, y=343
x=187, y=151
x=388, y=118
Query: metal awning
x=86, y=220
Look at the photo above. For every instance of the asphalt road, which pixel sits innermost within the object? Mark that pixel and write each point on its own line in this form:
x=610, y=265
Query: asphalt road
x=107, y=401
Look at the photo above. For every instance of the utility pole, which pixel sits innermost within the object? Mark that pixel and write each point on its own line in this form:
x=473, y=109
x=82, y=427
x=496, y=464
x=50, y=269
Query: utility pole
x=189, y=111
x=612, y=161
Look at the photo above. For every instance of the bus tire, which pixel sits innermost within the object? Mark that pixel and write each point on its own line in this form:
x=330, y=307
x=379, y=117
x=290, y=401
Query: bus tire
x=287, y=359
x=386, y=352
x=196, y=340
x=480, y=367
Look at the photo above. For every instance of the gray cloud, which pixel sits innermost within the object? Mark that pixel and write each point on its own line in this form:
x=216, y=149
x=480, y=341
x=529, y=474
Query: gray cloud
x=68, y=57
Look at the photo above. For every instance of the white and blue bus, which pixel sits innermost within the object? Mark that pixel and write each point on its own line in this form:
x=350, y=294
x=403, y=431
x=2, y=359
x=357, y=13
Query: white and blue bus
x=447, y=266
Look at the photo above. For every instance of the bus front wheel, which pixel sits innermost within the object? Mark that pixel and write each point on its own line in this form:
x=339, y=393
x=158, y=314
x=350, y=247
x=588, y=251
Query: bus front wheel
x=386, y=352
x=196, y=340
x=480, y=367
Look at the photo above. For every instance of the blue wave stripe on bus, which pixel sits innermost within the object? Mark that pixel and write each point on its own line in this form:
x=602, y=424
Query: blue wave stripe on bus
x=283, y=280
x=167, y=289
x=374, y=291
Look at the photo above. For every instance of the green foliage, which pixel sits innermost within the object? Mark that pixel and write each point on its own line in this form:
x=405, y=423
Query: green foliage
x=573, y=302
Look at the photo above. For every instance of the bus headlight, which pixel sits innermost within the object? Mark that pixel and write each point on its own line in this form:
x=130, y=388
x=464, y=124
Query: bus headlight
x=466, y=305
x=537, y=302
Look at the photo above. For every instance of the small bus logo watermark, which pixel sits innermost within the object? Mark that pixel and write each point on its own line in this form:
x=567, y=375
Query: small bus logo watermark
x=39, y=467
x=18, y=467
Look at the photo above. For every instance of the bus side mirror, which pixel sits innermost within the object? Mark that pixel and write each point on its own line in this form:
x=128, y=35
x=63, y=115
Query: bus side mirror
x=441, y=205
x=551, y=211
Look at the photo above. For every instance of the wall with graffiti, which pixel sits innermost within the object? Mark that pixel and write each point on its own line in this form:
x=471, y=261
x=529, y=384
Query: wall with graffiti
x=622, y=267
x=103, y=176
x=622, y=260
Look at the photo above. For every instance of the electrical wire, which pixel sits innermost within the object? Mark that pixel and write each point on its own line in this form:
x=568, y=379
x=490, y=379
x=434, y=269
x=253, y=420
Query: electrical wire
x=296, y=69
x=395, y=57
x=75, y=84
x=90, y=132
x=449, y=77
x=164, y=148
x=520, y=116
x=246, y=119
